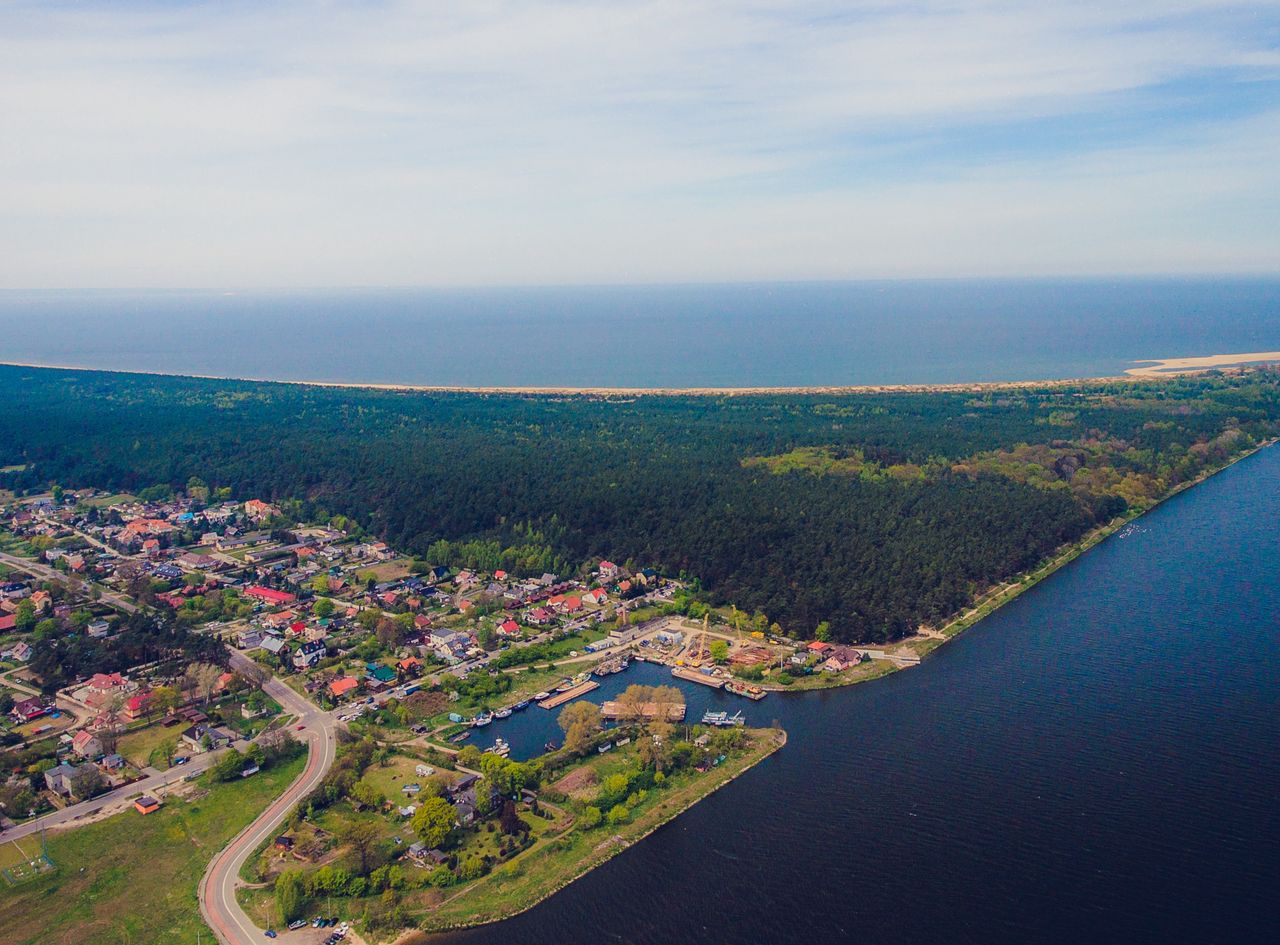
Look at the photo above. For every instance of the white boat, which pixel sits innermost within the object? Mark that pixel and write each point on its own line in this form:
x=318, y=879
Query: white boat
x=500, y=748
x=502, y=713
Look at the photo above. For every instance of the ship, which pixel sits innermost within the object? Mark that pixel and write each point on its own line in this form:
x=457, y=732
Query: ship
x=522, y=704
x=746, y=690
x=460, y=737
x=482, y=720
x=500, y=748
x=722, y=719
x=503, y=713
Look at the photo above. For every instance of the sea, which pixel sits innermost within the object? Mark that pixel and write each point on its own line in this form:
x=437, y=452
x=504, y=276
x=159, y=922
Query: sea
x=769, y=334
x=1096, y=762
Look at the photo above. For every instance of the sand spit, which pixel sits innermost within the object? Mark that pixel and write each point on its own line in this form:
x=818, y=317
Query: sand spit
x=1158, y=368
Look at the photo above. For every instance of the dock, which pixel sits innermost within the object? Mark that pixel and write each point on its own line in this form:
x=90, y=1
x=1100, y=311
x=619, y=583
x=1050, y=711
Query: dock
x=650, y=710
x=558, y=699
x=692, y=675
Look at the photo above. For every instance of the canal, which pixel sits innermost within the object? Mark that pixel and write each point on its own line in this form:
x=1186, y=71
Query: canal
x=1099, y=761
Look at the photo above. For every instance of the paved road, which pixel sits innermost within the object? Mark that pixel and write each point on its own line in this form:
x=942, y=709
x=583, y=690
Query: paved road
x=218, y=903
x=52, y=574
x=118, y=799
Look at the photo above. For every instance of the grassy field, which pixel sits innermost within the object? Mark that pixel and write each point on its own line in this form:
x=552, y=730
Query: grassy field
x=107, y=501
x=132, y=878
x=138, y=746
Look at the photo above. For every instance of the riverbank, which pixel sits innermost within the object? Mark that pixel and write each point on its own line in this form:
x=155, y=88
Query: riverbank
x=929, y=640
x=539, y=874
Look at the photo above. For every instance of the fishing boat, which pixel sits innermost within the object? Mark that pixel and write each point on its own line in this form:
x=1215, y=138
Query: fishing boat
x=550, y=746
x=522, y=704
x=482, y=720
x=500, y=748
x=539, y=696
x=565, y=686
x=503, y=713
x=460, y=737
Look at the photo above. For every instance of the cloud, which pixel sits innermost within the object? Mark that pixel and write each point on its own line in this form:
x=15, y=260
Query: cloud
x=358, y=143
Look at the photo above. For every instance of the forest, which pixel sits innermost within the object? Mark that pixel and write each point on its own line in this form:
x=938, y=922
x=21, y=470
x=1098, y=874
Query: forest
x=874, y=512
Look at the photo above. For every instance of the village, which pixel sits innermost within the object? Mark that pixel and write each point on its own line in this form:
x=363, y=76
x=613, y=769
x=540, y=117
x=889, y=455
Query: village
x=411, y=660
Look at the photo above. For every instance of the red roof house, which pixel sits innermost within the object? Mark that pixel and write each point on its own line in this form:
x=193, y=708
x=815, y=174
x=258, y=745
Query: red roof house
x=269, y=595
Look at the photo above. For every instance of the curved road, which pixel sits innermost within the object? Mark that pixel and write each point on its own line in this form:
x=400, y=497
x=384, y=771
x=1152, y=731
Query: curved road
x=217, y=891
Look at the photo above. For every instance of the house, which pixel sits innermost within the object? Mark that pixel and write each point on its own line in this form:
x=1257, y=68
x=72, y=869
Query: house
x=258, y=510
x=138, y=706
x=284, y=842
x=539, y=616
x=818, y=648
x=409, y=665
x=596, y=597
x=465, y=605
x=608, y=570
x=8, y=623
x=112, y=762
x=22, y=652
x=499, y=575
x=572, y=604
x=273, y=645
x=250, y=639
x=86, y=744
x=309, y=654
x=98, y=629
x=343, y=685
x=146, y=805
x=269, y=595
x=196, y=737
x=382, y=673
x=59, y=779
x=509, y=628
x=420, y=854
x=29, y=709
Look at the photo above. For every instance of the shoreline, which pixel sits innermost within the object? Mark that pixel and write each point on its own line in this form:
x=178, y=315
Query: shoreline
x=1015, y=587
x=1154, y=368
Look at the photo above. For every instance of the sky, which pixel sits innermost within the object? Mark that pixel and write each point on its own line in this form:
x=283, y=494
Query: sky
x=266, y=144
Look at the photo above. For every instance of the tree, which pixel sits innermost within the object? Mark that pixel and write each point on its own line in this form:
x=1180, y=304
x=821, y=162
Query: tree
x=86, y=782
x=720, y=651
x=165, y=698
x=579, y=721
x=229, y=766
x=590, y=818
x=291, y=895
x=367, y=794
x=823, y=632
x=323, y=608
x=510, y=822
x=618, y=814
x=387, y=631
x=433, y=821
x=363, y=837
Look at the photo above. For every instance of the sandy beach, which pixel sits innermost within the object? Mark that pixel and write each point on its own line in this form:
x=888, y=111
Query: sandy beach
x=1147, y=369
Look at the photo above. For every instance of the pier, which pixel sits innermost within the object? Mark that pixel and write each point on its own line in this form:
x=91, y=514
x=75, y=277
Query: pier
x=558, y=699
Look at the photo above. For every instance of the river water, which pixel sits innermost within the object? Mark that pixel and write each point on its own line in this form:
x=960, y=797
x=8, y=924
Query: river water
x=1099, y=761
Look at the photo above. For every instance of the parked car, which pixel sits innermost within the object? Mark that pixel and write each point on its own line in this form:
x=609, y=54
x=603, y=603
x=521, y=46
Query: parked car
x=181, y=761
x=297, y=924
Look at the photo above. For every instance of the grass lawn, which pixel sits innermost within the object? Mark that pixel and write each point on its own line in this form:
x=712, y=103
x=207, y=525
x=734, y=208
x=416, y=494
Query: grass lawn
x=137, y=747
x=386, y=571
x=107, y=501
x=132, y=878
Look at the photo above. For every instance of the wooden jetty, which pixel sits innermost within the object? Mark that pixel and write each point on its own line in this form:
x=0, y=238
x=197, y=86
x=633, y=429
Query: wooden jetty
x=650, y=710
x=560, y=698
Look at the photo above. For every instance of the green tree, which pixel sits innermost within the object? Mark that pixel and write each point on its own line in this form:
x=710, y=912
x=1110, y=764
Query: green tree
x=291, y=896
x=433, y=821
x=720, y=651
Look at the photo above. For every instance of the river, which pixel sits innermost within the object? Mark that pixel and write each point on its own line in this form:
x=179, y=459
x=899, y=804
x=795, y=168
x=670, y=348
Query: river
x=1098, y=761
